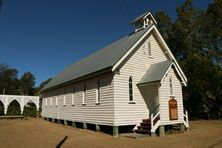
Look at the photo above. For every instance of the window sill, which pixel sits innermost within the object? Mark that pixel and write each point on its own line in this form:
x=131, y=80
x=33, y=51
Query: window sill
x=84, y=104
x=131, y=102
x=151, y=57
x=98, y=103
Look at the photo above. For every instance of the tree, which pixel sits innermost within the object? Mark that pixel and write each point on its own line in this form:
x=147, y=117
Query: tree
x=213, y=25
x=37, y=89
x=196, y=40
x=27, y=83
x=1, y=2
x=9, y=81
x=165, y=26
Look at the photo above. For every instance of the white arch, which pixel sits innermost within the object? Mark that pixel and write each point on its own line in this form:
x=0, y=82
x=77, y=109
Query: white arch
x=2, y=99
x=3, y=104
x=10, y=101
x=31, y=101
x=22, y=100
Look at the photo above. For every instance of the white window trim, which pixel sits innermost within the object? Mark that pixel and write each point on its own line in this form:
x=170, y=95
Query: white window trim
x=50, y=101
x=64, y=99
x=131, y=101
x=46, y=102
x=171, y=86
x=84, y=94
x=56, y=101
x=149, y=49
x=98, y=92
x=73, y=97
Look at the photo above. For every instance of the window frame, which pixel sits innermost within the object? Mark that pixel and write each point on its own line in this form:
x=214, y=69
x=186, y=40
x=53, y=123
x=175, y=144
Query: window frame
x=50, y=101
x=131, y=89
x=98, y=92
x=73, y=96
x=84, y=94
x=149, y=49
x=171, y=86
x=56, y=101
x=46, y=102
x=64, y=99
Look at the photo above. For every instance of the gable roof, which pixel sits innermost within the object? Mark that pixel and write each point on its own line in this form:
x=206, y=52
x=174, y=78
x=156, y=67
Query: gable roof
x=156, y=72
x=104, y=58
x=110, y=58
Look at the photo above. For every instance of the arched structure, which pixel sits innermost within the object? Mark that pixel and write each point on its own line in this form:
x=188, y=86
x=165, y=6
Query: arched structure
x=14, y=108
x=30, y=109
x=1, y=108
x=22, y=100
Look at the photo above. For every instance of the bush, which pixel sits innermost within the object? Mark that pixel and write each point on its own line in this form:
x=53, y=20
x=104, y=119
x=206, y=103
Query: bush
x=30, y=110
x=14, y=108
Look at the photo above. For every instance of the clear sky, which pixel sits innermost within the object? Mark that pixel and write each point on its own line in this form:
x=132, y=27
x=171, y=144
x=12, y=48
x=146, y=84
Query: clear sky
x=45, y=36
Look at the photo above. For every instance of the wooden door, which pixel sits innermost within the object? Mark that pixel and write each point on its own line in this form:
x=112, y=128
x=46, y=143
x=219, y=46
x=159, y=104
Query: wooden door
x=173, y=111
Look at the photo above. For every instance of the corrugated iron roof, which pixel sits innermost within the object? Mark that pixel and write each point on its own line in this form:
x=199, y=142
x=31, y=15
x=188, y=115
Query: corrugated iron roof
x=156, y=72
x=100, y=60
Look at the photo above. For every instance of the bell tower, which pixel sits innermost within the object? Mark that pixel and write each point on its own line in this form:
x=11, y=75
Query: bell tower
x=143, y=21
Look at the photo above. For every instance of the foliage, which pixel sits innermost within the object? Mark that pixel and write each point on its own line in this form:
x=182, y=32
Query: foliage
x=14, y=108
x=195, y=38
x=30, y=110
x=1, y=108
x=1, y=2
x=12, y=85
x=37, y=89
x=9, y=81
x=27, y=83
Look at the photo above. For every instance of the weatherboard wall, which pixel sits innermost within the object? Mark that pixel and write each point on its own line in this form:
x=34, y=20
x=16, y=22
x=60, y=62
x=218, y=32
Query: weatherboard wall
x=92, y=112
x=165, y=96
x=130, y=113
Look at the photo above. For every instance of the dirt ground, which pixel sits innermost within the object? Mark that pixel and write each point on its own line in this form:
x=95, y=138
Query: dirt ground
x=33, y=133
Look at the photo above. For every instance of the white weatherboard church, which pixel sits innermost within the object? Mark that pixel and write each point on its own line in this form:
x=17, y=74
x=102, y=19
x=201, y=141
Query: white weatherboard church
x=134, y=81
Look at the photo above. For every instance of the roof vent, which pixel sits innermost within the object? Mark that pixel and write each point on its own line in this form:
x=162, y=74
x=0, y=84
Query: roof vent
x=143, y=21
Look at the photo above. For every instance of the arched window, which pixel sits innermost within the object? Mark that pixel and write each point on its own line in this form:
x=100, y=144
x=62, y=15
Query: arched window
x=130, y=89
x=173, y=109
x=171, y=86
x=149, y=49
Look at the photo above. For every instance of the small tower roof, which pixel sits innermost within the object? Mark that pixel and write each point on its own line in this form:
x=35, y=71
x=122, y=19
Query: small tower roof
x=143, y=17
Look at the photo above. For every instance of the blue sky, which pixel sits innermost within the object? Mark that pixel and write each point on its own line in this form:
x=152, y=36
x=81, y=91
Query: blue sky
x=45, y=36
